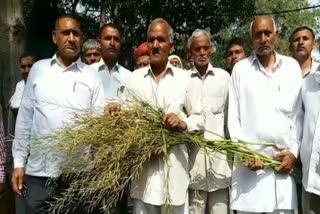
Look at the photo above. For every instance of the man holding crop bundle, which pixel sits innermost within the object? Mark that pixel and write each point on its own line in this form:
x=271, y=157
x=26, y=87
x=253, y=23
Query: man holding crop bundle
x=57, y=89
x=262, y=92
x=164, y=181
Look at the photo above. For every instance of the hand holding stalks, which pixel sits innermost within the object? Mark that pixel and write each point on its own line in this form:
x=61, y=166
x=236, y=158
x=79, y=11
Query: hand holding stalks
x=112, y=108
x=288, y=161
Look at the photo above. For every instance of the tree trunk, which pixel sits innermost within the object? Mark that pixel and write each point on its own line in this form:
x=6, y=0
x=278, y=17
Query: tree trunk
x=12, y=40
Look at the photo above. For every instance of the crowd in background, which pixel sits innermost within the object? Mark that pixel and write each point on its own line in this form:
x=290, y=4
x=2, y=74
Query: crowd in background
x=262, y=97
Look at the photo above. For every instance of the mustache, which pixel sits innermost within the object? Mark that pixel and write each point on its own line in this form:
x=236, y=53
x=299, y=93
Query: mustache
x=156, y=51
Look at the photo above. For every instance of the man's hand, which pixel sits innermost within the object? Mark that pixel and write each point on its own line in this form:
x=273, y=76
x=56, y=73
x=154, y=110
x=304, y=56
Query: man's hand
x=258, y=164
x=112, y=108
x=17, y=180
x=288, y=161
x=172, y=121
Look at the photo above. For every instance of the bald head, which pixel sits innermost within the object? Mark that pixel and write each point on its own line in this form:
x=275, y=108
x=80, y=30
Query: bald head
x=259, y=18
x=263, y=35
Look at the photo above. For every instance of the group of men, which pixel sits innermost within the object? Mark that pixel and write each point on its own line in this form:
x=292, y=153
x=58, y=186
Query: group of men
x=264, y=100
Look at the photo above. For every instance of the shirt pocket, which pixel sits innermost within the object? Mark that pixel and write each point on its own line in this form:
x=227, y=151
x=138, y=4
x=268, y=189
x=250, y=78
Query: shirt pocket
x=81, y=94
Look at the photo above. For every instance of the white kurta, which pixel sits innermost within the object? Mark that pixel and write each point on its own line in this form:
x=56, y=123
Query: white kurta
x=161, y=179
x=308, y=121
x=210, y=171
x=260, y=107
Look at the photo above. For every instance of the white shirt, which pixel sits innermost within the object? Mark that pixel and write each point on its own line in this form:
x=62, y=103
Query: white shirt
x=171, y=92
x=314, y=66
x=53, y=96
x=308, y=123
x=210, y=171
x=260, y=108
x=113, y=81
x=15, y=100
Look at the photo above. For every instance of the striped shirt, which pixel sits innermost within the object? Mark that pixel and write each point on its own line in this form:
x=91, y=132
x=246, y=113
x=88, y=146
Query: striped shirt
x=2, y=152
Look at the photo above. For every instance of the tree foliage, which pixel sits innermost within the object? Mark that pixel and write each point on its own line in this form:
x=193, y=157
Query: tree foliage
x=223, y=18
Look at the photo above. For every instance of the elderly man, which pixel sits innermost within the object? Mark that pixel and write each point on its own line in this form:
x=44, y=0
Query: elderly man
x=307, y=120
x=210, y=171
x=164, y=181
x=112, y=75
x=262, y=91
x=141, y=56
x=302, y=42
x=91, y=51
x=57, y=88
x=236, y=51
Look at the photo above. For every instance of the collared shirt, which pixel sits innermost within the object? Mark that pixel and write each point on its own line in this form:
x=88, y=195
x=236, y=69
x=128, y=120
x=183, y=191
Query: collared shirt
x=314, y=66
x=15, y=100
x=308, y=123
x=209, y=170
x=260, y=110
x=113, y=81
x=160, y=178
x=2, y=152
x=53, y=96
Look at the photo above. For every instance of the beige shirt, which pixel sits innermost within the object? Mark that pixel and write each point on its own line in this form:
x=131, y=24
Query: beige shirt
x=209, y=170
x=165, y=179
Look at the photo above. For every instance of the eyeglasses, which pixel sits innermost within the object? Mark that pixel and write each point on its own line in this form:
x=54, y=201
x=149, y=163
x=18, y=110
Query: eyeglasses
x=26, y=66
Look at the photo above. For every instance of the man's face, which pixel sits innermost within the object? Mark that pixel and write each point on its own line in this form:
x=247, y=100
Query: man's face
x=159, y=44
x=201, y=51
x=110, y=43
x=302, y=44
x=176, y=63
x=142, y=61
x=91, y=56
x=234, y=54
x=68, y=38
x=25, y=66
x=263, y=36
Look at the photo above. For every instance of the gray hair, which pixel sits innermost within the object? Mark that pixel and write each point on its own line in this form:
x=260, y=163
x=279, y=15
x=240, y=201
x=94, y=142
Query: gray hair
x=161, y=21
x=273, y=21
x=90, y=44
x=197, y=33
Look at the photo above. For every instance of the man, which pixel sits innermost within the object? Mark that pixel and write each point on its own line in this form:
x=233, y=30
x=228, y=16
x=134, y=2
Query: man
x=26, y=61
x=112, y=75
x=56, y=90
x=164, y=181
x=236, y=51
x=302, y=42
x=263, y=88
x=91, y=51
x=141, y=56
x=210, y=171
x=307, y=120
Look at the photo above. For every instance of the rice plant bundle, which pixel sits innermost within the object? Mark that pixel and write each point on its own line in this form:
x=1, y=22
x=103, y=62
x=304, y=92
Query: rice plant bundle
x=106, y=152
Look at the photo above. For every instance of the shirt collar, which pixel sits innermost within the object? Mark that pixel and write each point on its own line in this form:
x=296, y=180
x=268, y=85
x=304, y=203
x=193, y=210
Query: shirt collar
x=78, y=64
x=209, y=71
x=169, y=70
x=102, y=66
x=254, y=59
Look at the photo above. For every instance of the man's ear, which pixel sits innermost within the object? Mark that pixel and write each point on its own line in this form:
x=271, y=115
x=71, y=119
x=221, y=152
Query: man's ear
x=315, y=44
x=172, y=49
x=54, y=36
